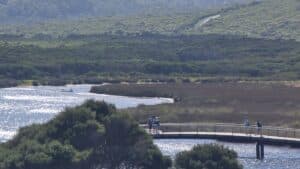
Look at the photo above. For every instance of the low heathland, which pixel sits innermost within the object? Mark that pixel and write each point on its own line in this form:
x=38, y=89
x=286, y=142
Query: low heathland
x=105, y=58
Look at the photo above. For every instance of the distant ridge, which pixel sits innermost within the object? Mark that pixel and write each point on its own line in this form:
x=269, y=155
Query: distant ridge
x=37, y=10
x=272, y=19
x=269, y=19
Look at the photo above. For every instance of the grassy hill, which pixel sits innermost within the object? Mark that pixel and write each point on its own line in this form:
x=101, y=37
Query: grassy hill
x=160, y=18
x=272, y=19
x=162, y=24
x=268, y=19
x=16, y=11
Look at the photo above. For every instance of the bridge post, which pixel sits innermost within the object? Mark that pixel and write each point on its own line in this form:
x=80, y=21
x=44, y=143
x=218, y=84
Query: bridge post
x=260, y=149
x=257, y=151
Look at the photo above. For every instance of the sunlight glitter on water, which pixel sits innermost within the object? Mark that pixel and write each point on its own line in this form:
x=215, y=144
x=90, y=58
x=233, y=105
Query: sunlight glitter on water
x=21, y=106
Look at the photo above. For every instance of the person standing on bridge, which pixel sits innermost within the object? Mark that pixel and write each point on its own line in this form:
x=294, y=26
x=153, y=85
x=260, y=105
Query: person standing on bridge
x=157, y=125
x=247, y=125
x=259, y=127
x=150, y=124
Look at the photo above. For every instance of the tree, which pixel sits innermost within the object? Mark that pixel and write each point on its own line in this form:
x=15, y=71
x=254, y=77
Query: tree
x=93, y=135
x=207, y=157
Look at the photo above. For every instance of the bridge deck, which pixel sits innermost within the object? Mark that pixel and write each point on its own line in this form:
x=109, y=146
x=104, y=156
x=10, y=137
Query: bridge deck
x=229, y=132
x=230, y=137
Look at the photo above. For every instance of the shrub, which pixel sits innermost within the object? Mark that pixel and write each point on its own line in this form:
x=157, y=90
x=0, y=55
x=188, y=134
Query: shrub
x=207, y=157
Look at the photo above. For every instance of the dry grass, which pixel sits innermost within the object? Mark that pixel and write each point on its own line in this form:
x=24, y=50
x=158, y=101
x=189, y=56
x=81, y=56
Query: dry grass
x=273, y=104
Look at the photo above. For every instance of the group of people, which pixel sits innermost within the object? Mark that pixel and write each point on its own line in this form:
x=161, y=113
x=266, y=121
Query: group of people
x=153, y=124
x=258, y=125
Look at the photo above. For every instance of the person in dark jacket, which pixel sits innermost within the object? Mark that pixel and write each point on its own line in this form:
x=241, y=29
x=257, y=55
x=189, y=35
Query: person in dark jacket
x=150, y=123
x=259, y=127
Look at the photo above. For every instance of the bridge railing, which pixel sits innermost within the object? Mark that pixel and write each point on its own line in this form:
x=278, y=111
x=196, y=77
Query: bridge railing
x=229, y=128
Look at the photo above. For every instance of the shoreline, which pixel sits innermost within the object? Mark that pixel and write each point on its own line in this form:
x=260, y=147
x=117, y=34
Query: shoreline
x=192, y=80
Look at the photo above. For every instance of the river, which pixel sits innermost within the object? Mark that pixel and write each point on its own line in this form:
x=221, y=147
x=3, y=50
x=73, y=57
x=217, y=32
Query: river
x=21, y=106
x=275, y=157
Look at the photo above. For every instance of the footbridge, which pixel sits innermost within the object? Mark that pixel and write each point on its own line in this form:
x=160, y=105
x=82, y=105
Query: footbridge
x=227, y=132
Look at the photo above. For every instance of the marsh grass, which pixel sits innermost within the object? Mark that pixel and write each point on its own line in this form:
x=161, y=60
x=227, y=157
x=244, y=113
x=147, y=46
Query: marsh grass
x=271, y=103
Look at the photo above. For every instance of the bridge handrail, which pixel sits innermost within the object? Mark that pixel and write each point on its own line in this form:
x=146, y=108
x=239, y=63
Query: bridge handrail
x=221, y=124
x=226, y=125
x=234, y=128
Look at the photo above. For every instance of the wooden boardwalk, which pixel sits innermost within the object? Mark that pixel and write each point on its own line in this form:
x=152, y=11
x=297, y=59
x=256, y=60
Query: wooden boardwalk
x=228, y=132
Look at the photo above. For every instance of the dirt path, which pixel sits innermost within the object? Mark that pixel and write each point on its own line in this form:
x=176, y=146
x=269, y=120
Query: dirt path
x=205, y=21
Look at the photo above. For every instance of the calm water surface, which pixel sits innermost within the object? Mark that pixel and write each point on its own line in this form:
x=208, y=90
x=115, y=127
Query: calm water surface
x=21, y=106
x=275, y=157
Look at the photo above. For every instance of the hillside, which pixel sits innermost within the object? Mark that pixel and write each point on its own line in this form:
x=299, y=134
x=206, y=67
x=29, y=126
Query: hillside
x=253, y=18
x=162, y=24
x=267, y=19
x=33, y=17
x=24, y=11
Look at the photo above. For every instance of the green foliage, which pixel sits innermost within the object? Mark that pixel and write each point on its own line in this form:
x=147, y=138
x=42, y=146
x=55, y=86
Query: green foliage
x=89, y=136
x=80, y=58
x=207, y=157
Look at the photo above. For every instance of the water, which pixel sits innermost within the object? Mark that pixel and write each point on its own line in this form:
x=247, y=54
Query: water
x=275, y=157
x=21, y=106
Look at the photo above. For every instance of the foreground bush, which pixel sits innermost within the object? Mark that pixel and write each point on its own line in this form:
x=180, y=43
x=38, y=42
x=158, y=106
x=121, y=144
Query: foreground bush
x=91, y=136
x=207, y=157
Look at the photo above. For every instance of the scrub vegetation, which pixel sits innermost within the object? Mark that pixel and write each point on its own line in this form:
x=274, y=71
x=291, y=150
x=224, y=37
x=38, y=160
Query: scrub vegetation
x=30, y=11
x=251, y=18
x=200, y=51
x=115, y=58
x=207, y=156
